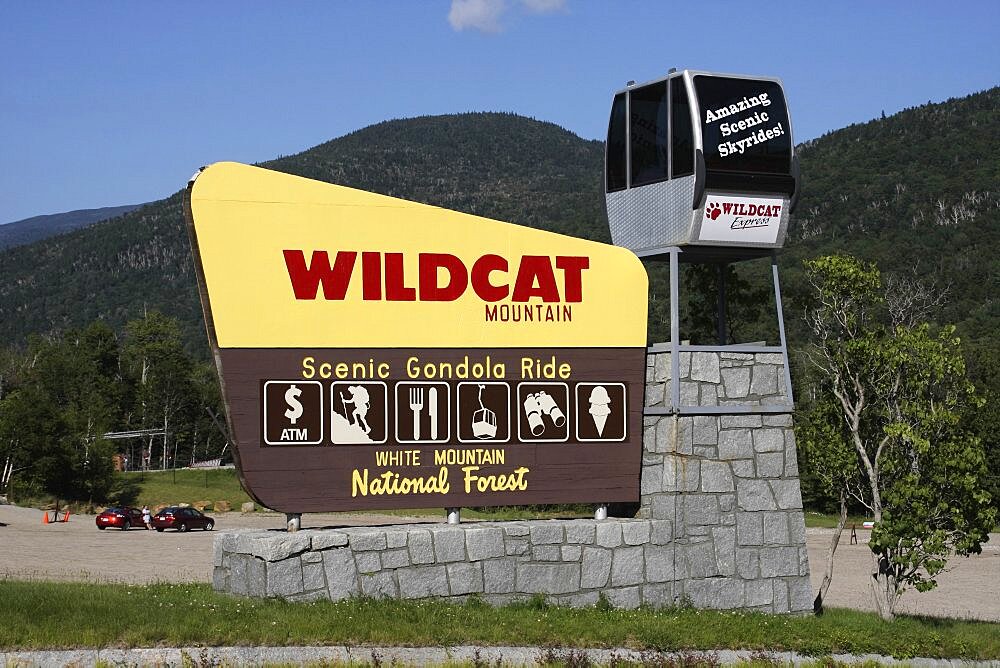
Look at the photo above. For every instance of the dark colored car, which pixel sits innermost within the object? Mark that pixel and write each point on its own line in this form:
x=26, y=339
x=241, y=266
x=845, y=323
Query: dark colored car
x=120, y=517
x=182, y=519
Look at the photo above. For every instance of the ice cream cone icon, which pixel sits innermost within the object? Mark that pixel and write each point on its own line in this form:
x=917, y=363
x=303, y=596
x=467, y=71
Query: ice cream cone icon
x=600, y=407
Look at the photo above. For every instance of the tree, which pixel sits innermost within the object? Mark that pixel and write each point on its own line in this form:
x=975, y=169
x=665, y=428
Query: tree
x=900, y=392
x=985, y=420
x=747, y=317
x=162, y=373
x=52, y=421
x=11, y=452
x=832, y=461
x=60, y=396
x=208, y=402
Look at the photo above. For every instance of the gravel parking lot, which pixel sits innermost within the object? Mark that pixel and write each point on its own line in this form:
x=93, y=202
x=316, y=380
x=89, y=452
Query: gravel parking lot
x=78, y=551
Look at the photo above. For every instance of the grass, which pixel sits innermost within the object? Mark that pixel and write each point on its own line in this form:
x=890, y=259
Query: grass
x=54, y=615
x=829, y=520
x=157, y=488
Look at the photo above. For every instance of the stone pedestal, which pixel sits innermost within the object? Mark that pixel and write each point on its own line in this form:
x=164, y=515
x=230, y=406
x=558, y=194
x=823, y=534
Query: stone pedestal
x=728, y=482
x=720, y=523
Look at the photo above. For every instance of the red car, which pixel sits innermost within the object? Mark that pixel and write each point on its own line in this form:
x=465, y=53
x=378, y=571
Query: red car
x=120, y=517
x=182, y=519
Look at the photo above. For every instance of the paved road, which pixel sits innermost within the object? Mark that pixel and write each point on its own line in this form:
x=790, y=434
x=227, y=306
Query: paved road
x=78, y=551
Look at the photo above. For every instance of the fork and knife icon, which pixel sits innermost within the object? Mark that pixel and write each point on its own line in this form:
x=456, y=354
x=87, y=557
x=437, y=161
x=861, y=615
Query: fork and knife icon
x=417, y=406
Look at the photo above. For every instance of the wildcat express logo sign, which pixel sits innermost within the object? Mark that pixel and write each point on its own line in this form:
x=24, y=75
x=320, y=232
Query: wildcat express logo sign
x=378, y=353
x=730, y=218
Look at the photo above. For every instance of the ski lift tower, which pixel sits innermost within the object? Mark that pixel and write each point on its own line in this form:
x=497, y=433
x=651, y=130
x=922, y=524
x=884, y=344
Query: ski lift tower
x=700, y=168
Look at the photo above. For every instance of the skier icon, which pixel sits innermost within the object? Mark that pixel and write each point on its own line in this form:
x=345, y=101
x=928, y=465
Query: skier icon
x=600, y=407
x=360, y=400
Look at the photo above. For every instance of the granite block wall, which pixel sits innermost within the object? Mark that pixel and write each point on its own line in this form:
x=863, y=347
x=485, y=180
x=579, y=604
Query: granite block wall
x=571, y=562
x=728, y=482
x=720, y=523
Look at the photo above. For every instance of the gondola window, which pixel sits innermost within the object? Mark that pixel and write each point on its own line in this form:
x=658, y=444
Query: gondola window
x=744, y=125
x=682, y=130
x=616, y=146
x=648, y=114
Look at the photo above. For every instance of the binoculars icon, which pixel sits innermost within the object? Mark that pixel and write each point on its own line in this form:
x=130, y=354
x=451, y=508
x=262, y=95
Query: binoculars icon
x=538, y=404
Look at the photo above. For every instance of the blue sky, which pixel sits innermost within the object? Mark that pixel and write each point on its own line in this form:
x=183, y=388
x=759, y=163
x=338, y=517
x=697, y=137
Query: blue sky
x=114, y=103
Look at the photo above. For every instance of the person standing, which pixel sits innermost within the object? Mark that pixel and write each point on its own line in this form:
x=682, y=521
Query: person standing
x=147, y=517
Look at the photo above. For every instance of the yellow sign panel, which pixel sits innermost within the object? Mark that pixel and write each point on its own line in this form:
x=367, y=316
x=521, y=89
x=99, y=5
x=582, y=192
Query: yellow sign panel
x=291, y=263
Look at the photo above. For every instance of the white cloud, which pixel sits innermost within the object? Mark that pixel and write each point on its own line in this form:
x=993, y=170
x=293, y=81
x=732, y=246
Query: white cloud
x=487, y=15
x=544, y=6
x=481, y=15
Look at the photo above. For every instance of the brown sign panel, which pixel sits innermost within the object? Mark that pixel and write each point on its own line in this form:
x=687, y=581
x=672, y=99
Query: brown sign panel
x=376, y=353
x=386, y=443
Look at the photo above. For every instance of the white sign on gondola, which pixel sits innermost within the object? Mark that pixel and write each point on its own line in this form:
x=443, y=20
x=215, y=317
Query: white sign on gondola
x=741, y=219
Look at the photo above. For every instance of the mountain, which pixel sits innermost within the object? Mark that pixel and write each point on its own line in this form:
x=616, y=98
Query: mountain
x=497, y=165
x=36, y=228
x=916, y=192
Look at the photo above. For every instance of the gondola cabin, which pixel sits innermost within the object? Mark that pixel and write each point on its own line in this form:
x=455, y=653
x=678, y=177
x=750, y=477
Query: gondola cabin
x=703, y=161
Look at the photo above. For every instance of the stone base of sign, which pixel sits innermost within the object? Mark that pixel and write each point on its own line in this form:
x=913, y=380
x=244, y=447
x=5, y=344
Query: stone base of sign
x=720, y=523
x=571, y=562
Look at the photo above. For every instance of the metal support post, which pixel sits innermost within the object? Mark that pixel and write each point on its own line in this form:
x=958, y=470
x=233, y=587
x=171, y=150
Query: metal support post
x=781, y=328
x=675, y=330
x=601, y=512
x=454, y=515
x=293, y=522
x=720, y=325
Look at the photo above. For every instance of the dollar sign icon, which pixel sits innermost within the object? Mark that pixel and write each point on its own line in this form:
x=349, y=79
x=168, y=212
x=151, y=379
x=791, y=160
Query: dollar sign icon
x=294, y=411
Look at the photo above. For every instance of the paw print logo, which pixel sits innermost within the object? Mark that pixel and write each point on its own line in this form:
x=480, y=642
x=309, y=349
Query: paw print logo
x=713, y=211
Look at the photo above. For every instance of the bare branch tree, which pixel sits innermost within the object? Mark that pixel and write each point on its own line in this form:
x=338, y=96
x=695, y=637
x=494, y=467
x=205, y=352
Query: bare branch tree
x=911, y=300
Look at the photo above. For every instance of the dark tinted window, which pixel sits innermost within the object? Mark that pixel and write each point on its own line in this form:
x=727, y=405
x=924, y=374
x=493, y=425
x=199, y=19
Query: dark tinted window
x=744, y=125
x=615, y=157
x=683, y=133
x=648, y=113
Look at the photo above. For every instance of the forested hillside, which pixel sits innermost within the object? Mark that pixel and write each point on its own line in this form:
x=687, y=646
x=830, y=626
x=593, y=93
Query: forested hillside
x=496, y=165
x=915, y=192
x=918, y=191
x=33, y=229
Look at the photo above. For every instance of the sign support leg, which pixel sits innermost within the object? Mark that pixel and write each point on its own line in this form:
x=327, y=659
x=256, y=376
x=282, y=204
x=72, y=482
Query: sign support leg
x=781, y=327
x=293, y=522
x=601, y=512
x=454, y=515
x=721, y=315
x=675, y=330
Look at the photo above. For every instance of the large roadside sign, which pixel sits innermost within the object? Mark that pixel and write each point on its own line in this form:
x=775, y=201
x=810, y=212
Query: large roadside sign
x=377, y=353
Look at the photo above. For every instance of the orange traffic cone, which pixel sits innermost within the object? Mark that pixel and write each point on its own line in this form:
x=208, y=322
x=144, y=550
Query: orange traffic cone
x=45, y=517
x=66, y=517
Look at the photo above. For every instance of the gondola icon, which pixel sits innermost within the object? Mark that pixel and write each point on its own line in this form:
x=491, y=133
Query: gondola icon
x=483, y=412
x=484, y=421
